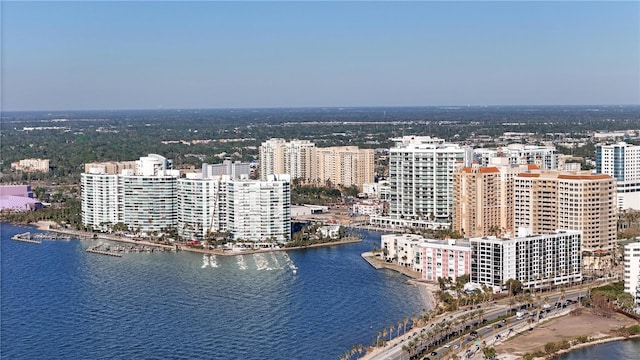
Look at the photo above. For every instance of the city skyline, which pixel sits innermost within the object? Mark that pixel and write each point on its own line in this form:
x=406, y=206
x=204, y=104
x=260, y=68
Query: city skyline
x=152, y=55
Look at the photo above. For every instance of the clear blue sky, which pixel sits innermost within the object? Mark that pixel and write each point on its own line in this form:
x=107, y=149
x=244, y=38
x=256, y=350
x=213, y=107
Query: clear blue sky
x=147, y=55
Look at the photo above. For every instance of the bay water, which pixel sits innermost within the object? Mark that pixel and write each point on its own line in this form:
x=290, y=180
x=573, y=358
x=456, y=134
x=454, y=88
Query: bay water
x=60, y=302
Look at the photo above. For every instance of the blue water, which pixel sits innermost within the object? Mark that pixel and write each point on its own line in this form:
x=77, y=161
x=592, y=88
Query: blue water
x=60, y=302
x=620, y=350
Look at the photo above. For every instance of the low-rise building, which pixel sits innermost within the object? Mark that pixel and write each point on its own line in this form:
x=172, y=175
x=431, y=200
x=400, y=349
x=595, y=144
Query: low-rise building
x=368, y=208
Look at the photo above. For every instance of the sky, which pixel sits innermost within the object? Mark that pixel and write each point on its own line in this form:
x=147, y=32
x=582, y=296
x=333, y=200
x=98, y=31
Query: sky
x=211, y=54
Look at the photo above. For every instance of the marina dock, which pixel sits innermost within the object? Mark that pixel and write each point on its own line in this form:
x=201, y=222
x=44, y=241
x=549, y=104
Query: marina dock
x=96, y=250
x=26, y=237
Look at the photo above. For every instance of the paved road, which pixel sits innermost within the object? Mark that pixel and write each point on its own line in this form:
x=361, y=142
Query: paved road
x=393, y=351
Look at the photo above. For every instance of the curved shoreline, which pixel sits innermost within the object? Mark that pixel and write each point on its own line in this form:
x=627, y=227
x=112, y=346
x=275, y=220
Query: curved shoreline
x=47, y=226
x=594, y=343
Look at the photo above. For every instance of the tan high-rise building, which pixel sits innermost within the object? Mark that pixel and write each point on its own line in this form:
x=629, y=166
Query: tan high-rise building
x=344, y=165
x=273, y=158
x=545, y=201
x=483, y=199
x=109, y=167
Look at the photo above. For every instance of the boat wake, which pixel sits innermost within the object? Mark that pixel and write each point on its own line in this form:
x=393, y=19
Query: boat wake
x=242, y=265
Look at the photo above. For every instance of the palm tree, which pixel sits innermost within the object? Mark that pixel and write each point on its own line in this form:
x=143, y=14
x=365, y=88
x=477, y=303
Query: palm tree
x=378, y=338
x=398, y=328
x=405, y=321
x=384, y=334
x=390, y=331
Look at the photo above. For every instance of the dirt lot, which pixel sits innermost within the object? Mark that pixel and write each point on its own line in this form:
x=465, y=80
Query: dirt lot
x=566, y=327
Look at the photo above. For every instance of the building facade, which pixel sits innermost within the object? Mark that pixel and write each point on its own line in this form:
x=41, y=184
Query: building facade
x=109, y=167
x=632, y=270
x=344, y=165
x=143, y=199
x=421, y=182
x=31, y=165
x=432, y=258
x=201, y=208
x=444, y=259
x=537, y=261
x=233, y=169
x=259, y=210
x=622, y=162
x=545, y=201
x=483, y=199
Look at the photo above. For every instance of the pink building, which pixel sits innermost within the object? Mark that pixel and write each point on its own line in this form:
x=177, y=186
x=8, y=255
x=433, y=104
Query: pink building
x=444, y=259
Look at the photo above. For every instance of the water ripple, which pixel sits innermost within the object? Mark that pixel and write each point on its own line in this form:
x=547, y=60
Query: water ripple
x=59, y=302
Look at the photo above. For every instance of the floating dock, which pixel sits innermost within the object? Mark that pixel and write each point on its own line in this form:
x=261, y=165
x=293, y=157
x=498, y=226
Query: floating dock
x=26, y=237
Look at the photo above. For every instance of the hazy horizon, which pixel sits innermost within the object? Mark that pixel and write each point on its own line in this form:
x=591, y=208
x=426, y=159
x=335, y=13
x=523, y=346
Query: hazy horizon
x=138, y=55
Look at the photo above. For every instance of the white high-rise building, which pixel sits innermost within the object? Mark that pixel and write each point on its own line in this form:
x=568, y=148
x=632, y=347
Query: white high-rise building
x=537, y=261
x=421, y=178
x=100, y=194
x=622, y=162
x=235, y=170
x=259, y=210
x=153, y=199
x=632, y=270
x=143, y=199
x=201, y=208
x=545, y=157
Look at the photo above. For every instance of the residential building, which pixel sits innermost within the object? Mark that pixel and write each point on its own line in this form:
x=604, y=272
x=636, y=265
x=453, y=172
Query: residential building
x=432, y=258
x=153, y=199
x=537, y=261
x=421, y=179
x=143, y=199
x=368, y=208
x=201, y=208
x=31, y=165
x=545, y=157
x=483, y=198
x=632, y=270
x=444, y=259
x=234, y=169
x=259, y=210
x=273, y=158
x=277, y=156
x=402, y=249
x=548, y=200
x=344, y=165
x=622, y=162
x=101, y=196
x=109, y=167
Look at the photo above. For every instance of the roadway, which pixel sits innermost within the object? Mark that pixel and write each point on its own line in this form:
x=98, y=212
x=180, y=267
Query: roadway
x=445, y=343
